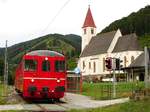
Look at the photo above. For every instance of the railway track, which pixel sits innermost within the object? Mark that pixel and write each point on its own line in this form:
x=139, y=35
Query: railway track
x=38, y=106
x=42, y=108
x=72, y=101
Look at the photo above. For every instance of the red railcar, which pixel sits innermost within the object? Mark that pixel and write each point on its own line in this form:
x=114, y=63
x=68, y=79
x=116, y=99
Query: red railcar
x=41, y=74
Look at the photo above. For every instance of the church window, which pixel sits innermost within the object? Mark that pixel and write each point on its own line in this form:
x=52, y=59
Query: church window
x=85, y=31
x=132, y=59
x=103, y=64
x=83, y=66
x=94, y=66
x=89, y=65
x=125, y=61
x=92, y=31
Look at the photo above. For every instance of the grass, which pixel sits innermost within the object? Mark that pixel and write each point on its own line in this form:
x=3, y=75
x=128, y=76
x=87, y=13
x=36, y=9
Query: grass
x=132, y=106
x=3, y=94
x=2, y=99
x=100, y=91
x=16, y=111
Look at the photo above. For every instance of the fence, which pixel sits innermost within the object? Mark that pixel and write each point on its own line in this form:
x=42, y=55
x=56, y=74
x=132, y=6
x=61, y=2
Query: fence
x=101, y=91
x=74, y=82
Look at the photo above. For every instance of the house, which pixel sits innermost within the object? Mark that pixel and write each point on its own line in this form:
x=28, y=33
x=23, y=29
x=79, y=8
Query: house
x=96, y=48
x=136, y=70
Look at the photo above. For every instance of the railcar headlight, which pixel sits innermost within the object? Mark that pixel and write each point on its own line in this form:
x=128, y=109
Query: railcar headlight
x=32, y=80
x=58, y=80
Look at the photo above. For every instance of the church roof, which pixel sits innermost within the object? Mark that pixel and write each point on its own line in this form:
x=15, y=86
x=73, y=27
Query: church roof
x=98, y=44
x=127, y=43
x=89, y=22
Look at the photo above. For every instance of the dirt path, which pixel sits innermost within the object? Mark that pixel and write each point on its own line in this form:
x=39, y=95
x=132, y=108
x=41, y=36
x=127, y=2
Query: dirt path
x=86, y=102
x=72, y=101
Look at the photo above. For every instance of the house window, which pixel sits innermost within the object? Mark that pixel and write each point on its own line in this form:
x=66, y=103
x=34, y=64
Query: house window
x=92, y=31
x=103, y=64
x=83, y=65
x=84, y=31
x=132, y=59
x=94, y=67
x=125, y=61
x=89, y=65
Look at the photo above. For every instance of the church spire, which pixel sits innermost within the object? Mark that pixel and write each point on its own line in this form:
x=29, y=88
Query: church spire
x=89, y=22
x=88, y=29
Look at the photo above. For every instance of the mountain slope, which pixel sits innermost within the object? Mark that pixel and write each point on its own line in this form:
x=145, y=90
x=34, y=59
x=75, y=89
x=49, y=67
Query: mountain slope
x=137, y=22
x=67, y=44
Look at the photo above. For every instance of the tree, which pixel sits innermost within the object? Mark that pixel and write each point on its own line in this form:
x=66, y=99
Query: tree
x=1, y=67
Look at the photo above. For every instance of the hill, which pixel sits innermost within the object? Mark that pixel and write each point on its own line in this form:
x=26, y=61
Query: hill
x=137, y=22
x=69, y=45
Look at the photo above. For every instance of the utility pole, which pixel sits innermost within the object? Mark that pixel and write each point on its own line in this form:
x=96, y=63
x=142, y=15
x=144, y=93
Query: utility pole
x=146, y=67
x=5, y=71
x=114, y=77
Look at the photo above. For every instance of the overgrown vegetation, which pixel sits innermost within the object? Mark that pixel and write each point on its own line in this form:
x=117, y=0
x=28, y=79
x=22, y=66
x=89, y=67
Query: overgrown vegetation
x=102, y=91
x=2, y=98
x=1, y=67
x=136, y=22
x=145, y=40
x=16, y=111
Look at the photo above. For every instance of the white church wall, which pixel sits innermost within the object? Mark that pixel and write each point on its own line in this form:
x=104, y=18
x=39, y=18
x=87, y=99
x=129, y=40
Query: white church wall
x=99, y=65
x=100, y=68
x=128, y=55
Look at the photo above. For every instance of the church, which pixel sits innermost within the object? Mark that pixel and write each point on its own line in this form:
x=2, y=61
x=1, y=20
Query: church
x=96, y=48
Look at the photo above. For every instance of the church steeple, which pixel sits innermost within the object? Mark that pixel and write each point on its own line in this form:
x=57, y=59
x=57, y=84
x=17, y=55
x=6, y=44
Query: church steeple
x=88, y=29
x=89, y=22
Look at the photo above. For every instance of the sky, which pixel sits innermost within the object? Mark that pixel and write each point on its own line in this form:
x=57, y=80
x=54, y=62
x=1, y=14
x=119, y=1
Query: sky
x=22, y=20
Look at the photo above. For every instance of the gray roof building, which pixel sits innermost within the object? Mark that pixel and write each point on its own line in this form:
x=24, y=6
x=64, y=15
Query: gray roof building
x=139, y=62
x=100, y=44
x=127, y=43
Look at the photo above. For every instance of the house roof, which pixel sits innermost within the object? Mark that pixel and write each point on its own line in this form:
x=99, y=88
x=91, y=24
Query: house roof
x=127, y=43
x=98, y=44
x=89, y=22
x=138, y=62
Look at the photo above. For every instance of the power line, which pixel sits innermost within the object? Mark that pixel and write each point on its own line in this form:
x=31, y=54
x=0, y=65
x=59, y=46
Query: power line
x=53, y=19
x=59, y=11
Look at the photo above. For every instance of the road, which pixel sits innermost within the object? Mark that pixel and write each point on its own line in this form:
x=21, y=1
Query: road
x=72, y=101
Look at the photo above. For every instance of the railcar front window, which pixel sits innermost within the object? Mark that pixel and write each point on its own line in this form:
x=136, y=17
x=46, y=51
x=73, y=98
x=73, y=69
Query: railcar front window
x=60, y=66
x=30, y=65
x=46, y=66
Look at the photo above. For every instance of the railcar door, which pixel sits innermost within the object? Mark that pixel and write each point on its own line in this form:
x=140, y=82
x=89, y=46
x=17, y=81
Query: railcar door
x=45, y=70
x=30, y=73
x=60, y=74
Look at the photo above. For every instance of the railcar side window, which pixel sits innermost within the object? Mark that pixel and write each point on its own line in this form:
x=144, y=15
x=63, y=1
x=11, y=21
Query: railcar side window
x=46, y=66
x=60, y=66
x=30, y=65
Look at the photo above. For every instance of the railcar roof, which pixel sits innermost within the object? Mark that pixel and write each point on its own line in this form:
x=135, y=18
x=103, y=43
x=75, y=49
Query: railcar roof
x=44, y=53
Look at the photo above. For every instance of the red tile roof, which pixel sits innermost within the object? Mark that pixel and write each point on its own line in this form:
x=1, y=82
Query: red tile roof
x=89, y=22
